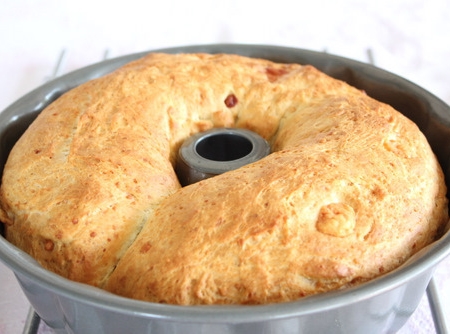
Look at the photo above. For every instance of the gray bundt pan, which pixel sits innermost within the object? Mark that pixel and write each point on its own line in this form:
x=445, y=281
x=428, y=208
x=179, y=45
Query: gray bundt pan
x=379, y=306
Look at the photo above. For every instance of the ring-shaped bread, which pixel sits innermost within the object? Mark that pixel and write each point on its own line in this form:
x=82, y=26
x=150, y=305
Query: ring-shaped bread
x=350, y=191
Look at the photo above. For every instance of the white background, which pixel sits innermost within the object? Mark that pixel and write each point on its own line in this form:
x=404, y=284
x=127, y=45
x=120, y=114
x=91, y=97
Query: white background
x=409, y=38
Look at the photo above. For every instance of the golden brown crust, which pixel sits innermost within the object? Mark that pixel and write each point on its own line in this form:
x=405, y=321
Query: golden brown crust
x=350, y=191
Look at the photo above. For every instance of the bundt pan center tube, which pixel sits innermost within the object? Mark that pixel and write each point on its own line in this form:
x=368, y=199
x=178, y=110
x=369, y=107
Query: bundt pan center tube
x=217, y=151
x=382, y=305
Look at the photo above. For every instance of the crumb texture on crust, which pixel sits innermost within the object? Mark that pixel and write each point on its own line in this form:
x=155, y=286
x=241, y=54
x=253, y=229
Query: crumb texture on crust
x=350, y=191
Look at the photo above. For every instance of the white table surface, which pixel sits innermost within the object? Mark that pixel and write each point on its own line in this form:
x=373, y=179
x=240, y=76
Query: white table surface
x=406, y=37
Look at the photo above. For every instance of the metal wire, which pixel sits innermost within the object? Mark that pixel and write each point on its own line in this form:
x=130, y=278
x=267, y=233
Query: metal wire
x=32, y=322
x=437, y=312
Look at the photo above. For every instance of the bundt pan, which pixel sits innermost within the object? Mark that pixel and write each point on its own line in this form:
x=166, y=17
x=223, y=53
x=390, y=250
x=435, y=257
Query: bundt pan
x=382, y=305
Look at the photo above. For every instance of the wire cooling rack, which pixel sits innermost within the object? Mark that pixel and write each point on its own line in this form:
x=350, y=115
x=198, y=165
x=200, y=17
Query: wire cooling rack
x=33, y=321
